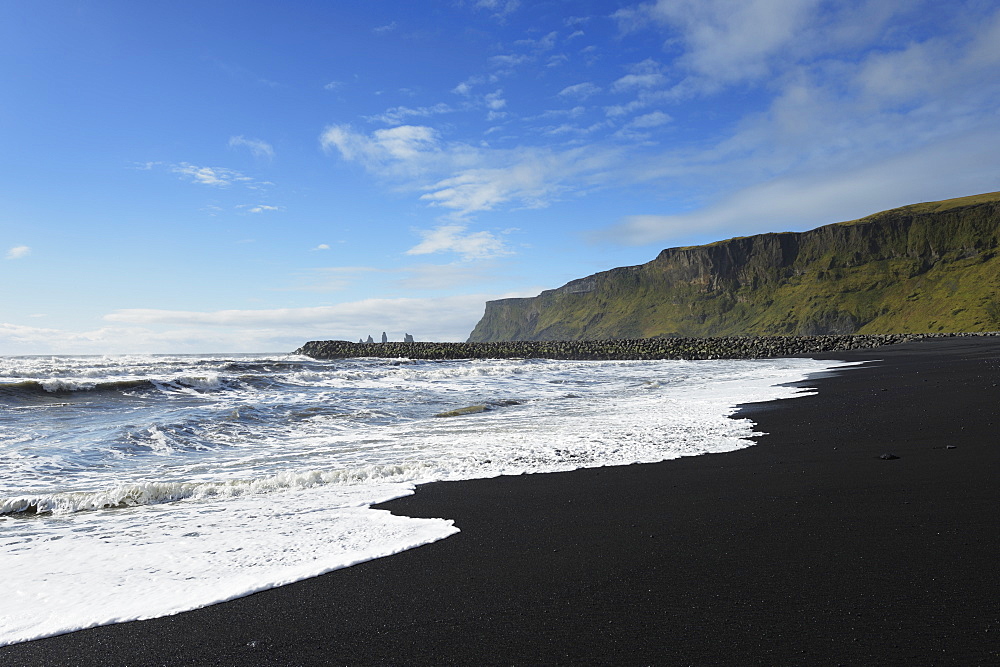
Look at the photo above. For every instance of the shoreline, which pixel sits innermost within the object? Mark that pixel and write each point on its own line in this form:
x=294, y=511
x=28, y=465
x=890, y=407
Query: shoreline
x=807, y=548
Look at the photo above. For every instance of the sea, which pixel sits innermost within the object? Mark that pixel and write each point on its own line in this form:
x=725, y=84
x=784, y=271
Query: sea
x=133, y=487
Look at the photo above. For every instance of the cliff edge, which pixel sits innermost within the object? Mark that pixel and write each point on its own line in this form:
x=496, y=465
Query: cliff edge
x=927, y=267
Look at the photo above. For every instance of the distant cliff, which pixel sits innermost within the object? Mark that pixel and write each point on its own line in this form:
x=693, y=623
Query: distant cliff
x=923, y=268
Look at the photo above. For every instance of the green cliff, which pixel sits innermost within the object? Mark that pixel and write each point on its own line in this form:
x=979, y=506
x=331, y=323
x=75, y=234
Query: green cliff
x=923, y=268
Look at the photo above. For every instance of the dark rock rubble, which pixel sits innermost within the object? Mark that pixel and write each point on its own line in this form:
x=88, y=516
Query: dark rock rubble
x=723, y=347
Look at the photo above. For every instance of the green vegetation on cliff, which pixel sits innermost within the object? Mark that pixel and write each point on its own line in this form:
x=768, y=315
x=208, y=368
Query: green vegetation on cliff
x=928, y=267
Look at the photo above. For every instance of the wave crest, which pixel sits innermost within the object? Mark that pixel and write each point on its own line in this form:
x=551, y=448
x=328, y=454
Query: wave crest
x=156, y=493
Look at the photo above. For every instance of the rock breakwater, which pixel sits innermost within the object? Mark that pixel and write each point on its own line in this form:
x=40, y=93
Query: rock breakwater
x=723, y=347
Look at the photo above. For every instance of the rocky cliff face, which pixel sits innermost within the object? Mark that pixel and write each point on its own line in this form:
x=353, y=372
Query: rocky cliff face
x=922, y=268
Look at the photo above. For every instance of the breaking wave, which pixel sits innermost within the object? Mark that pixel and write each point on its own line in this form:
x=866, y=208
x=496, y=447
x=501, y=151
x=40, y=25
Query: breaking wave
x=156, y=493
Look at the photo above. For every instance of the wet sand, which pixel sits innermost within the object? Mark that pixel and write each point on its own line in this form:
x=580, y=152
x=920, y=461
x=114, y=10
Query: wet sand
x=806, y=549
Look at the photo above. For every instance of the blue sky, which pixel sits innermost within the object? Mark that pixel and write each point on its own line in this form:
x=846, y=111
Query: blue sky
x=245, y=176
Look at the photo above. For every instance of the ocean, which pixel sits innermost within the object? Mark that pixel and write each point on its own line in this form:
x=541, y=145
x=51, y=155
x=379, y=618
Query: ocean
x=139, y=486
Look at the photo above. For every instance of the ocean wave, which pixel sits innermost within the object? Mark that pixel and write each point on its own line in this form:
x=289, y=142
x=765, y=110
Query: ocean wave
x=66, y=385
x=156, y=493
x=28, y=388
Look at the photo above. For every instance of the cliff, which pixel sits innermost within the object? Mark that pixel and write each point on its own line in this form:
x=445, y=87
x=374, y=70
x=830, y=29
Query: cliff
x=927, y=267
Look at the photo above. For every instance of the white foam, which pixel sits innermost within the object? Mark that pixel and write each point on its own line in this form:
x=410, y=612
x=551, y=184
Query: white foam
x=87, y=571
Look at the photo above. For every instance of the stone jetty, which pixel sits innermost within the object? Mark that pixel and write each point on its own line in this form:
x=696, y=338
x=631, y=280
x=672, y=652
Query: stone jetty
x=722, y=347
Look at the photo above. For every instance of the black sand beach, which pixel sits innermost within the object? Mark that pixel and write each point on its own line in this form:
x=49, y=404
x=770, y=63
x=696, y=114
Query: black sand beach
x=807, y=549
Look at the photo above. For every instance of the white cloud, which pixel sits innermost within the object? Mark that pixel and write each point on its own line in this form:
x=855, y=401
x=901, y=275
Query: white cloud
x=723, y=42
x=464, y=178
x=397, y=115
x=654, y=119
x=580, y=90
x=495, y=101
x=643, y=75
x=509, y=61
x=456, y=238
x=18, y=339
x=546, y=43
x=726, y=41
x=322, y=246
x=532, y=181
x=406, y=149
x=383, y=29
x=634, y=81
x=19, y=251
x=619, y=110
x=264, y=208
x=886, y=114
x=333, y=85
x=260, y=149
x=952, y=167
x=447, y=318
x=500, y=8
x=836, y=107
x=465, y=88
x=216, y=176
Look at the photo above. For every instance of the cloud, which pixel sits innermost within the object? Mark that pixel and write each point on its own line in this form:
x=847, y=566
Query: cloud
x=333, y=85
x=726, y=41
x=260, y=149
x=322, y=246
x=832, y=106
x=509, y=61
x=406, y=148
x=215, y=176
x=456, y=238
x=469, y=179
x=447, y=318
x=500, y=8
x=19, y=339
x=546, y=43
x=633, y=81
x=495, y=101
x=835, y=110
x=952, y=167
x=465, y=88
x=655, y=119
x=383, y=29
x=580, y=90
x=264, y=208
x=723, y=43
x=646, y=74
x=532, y=181
x=397, y=115
x=19, y=251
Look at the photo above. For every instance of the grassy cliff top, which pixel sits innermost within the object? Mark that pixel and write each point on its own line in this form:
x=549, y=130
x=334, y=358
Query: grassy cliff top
x=917, y=209
x=931, y=207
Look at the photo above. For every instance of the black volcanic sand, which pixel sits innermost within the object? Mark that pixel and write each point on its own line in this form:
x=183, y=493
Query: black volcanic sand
x=807, y=549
